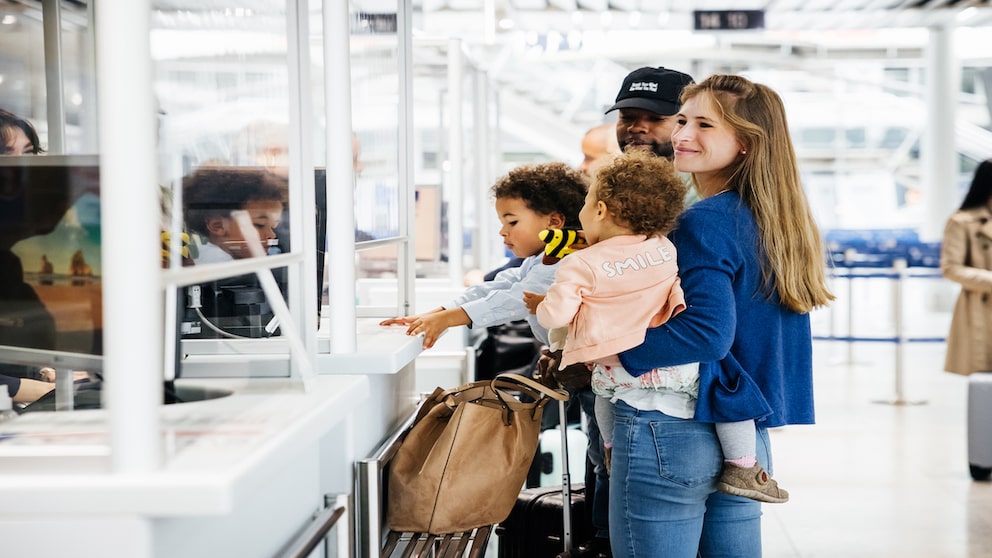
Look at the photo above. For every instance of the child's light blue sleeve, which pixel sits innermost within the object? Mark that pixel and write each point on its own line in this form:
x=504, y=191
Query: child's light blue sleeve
x=503, y=281
x=501, y=300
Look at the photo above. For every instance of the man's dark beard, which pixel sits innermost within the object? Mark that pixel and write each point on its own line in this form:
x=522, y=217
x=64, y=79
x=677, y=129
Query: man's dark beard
x=666, y=150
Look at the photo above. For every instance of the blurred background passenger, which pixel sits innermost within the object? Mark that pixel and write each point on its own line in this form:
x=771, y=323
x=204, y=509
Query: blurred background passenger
x=17, y=136
x=966, y=259
x=25, y=390
x=599, y=146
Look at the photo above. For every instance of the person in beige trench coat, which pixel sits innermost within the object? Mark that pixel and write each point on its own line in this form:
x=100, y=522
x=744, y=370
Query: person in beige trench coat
x=966, y=259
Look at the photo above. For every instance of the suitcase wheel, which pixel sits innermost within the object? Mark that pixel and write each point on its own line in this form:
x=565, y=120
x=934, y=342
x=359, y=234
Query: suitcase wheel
x=980, y=473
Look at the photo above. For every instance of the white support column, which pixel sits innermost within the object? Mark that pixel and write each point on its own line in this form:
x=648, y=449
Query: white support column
x=51, y=15
x=407, y=263
x=340, y=176
x=453, y=186
x=939, y=153
x=129, y=205
x=483, y=178
x=88, y=117
x=497, y=251
x=302, y=277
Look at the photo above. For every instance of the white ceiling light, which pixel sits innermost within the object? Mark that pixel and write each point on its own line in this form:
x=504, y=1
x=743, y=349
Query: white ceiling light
x=967, y=13
x=595, y=5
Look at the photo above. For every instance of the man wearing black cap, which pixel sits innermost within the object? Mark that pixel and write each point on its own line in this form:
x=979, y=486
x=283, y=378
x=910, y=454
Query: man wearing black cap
x=648, y=101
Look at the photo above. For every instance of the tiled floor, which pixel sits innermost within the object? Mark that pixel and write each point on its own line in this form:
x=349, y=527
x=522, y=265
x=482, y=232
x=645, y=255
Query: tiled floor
x=875, y=479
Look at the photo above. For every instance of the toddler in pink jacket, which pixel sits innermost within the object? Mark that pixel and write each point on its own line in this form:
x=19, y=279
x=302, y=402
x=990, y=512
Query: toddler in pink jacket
x=605, y=296
x=626, y=280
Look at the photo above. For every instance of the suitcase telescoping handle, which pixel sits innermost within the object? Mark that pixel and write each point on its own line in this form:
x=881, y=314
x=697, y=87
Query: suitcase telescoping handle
x=566, y=483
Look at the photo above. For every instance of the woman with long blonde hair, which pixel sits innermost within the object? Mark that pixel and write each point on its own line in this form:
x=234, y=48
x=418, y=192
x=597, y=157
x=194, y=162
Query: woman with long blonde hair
x=752, y=266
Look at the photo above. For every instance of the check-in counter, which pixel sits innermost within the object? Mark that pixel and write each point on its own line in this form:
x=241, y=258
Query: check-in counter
x=243, y=474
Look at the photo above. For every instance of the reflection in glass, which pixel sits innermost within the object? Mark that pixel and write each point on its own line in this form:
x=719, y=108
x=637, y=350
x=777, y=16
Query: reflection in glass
x=50, y=241
x=222, y=84
x=232, y=213
x=50, y=270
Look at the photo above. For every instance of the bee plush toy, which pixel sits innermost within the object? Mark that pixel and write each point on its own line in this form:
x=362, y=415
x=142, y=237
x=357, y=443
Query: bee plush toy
x=188, y=252
x=559, y=243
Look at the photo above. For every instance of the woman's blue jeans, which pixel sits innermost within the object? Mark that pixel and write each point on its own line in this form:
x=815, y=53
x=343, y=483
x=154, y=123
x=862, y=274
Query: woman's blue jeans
x=663, y=498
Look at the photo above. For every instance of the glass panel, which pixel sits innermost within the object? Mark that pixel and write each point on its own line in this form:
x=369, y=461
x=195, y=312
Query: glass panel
x=51, y=320
x=378, y=285
x=50, y=271
x=378, y=191
x=375, y=116
x=23, y=78
x=232, y=213
x=221, y=84
x=378, y=262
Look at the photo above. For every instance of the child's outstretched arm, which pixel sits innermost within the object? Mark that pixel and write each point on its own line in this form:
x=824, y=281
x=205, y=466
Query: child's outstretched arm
x=407, y=320
x=431, y=324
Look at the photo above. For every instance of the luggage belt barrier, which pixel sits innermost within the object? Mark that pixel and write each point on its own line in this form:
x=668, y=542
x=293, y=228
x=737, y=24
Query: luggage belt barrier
x=336, y=507
x=898, y=274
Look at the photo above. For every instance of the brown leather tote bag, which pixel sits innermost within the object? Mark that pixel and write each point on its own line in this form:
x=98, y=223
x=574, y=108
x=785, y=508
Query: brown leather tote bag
x=465, y=458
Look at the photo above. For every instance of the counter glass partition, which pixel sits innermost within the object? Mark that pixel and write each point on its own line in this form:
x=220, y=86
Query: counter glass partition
x=50, y=270
x=380, y=76
x=229, y=104
x=231, y=91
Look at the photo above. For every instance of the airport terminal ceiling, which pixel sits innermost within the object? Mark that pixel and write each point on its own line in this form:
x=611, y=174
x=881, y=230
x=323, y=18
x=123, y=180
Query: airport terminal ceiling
x=545, y=50
x=554, y=65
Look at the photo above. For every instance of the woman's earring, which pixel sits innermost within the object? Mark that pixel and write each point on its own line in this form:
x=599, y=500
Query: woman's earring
x=743, y=151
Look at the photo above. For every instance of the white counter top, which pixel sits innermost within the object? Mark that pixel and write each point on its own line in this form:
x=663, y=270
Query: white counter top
x=380, y=350
x=214, y=450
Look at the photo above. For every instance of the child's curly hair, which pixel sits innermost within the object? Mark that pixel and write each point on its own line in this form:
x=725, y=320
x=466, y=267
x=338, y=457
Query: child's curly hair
x=642, y=191
x=546, y=188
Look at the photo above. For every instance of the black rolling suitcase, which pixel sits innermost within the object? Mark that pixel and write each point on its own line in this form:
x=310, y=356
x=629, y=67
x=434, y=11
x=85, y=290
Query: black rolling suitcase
x=540, y=525
x=535, y=526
